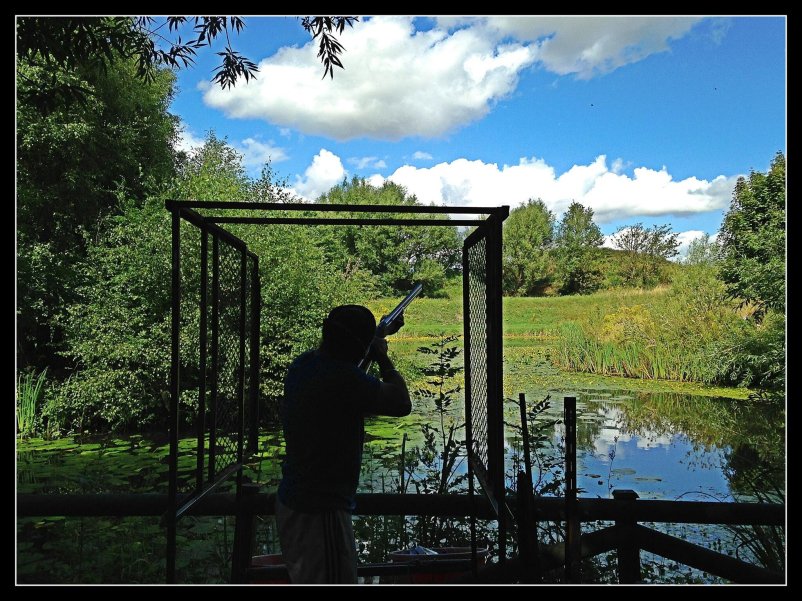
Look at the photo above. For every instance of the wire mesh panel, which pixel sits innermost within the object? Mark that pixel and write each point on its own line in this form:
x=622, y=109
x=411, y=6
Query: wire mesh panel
x=476, y=354
x=190, y=371
x=219, y=300
x=228, y=332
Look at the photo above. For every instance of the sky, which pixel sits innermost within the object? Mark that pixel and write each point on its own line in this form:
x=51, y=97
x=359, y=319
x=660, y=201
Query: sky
x=644, y=119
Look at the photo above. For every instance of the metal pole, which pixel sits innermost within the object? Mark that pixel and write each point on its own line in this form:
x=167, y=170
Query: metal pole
x=525, y=436
x=526, y=506
x=201, y=417
x=175, y=390
x=344, y=208
x=244, y=532
x=243, y=308
x=311, y=221
x=466, y=329
x=495, y=367
x=256, y=308
x=215, y=354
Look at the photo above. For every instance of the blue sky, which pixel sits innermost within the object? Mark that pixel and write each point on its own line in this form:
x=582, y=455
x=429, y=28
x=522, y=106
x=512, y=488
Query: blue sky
x=647, y=119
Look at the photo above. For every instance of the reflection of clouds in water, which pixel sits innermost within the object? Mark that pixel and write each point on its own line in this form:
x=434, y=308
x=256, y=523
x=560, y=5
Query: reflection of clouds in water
x=603, y=445
x=655, y=440
x=612, y=417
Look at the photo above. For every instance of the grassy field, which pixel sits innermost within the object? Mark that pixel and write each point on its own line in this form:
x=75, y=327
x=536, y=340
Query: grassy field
x=523, y=317
x=530, y=331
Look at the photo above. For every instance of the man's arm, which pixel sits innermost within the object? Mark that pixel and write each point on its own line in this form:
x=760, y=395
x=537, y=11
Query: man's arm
x=393, y=398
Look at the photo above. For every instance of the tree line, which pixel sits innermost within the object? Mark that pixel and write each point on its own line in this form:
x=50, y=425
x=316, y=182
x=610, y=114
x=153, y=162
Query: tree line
x=546, y=256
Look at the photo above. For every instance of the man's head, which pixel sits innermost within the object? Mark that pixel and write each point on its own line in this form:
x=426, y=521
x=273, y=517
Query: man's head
x=348, y=332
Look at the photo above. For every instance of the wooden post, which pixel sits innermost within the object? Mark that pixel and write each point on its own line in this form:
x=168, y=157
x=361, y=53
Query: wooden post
x=244, y=533
x=524, y=552
x=628, y=549
x=572, y=525
x=527, y=535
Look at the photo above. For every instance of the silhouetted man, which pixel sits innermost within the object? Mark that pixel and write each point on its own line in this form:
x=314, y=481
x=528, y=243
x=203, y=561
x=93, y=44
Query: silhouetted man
x=326, y=397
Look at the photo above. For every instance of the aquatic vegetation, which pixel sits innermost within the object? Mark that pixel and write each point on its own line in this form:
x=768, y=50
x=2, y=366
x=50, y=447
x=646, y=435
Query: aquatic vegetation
x=30, y=390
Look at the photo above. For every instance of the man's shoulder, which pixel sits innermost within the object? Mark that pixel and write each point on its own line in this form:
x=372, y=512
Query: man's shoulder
x=313, y=364
x=302, y=360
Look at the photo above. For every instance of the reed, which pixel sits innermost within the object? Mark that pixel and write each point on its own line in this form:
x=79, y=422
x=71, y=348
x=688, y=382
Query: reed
x=577, y=350
x=30, y=389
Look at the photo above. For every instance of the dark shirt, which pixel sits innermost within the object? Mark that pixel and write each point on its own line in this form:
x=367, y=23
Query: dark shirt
x=322, y=413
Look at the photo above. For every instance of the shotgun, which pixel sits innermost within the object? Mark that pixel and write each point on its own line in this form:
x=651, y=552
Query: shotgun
x=389, y=319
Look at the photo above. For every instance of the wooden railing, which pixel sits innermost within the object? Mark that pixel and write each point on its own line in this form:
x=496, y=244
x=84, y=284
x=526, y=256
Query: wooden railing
x=625, y=510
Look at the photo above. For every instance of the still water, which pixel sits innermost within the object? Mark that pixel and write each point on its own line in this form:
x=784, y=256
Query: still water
x=663, y=446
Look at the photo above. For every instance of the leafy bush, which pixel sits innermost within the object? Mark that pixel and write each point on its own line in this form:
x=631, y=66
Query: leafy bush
x=693, y=332
x=118, y=331
x=753, y=354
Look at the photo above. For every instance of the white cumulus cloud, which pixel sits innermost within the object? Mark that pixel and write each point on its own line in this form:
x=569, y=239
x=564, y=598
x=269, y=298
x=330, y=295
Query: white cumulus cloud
x=397, y=82
x=419, y=155
x=256, y=153
x=325, y=172
x=365, y=162
x=401, y=82
x=612, y=195
x=589, y=46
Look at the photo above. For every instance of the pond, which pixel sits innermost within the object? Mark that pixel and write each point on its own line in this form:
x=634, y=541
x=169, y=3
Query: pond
x=662, y=445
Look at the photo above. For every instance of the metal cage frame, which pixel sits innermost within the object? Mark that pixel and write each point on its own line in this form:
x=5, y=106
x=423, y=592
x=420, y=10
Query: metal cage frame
x=483, y=346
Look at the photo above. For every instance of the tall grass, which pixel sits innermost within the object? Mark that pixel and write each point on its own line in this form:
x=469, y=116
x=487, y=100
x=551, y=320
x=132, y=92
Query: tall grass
x=578, y=351
x=687, y=332
x=30, y=389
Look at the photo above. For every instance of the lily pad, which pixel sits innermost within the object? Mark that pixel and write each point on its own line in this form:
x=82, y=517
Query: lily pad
x=624, y=471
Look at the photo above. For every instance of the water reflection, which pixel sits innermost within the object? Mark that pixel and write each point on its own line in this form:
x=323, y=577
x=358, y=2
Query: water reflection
x=667, y=445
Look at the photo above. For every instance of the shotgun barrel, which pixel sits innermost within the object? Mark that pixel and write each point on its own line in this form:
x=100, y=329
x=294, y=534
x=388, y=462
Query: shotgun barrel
x=388, y=320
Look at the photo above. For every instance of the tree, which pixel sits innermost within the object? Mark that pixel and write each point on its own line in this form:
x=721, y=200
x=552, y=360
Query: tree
x=118, y=323
x=71, y=164
x=752, y=239
x=528, y=233
x=212, y=172
x=703, y=251
x=117, y=326
x=397, y=256
x=645, y=252
x=577, y=250
x=697, y=298
x=67, y=43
